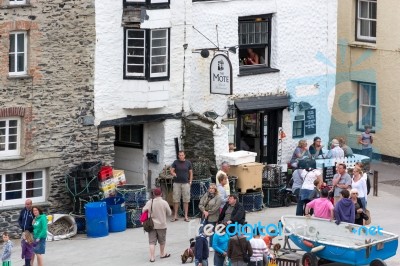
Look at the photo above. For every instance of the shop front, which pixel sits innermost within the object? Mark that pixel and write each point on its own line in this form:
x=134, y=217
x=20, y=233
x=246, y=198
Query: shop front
x=258, y=121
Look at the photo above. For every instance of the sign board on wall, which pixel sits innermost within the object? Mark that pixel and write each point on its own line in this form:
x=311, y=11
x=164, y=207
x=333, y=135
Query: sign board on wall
x=310, y=123
x=221, y=75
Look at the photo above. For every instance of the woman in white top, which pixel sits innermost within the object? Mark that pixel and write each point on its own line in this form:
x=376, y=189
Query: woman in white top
x=309, y=176
x=360, y=184
x=259, y=249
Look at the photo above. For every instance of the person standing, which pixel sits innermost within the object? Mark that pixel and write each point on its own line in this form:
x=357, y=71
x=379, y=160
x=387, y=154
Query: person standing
x=309, y=176
x=358, y=207
x=158, y=210
x=7, y=247
x=221, y=190
x=224, y=171
x=345, y=209
x=237, y=247
x=209, y=206
x=297, y=184
x=366, y=140
x=220, y=246
x=360, y=184
x=26, y=217
x=323, y=207
x=182, y=172
x=27, y=245
x=341, y=181
x=201, y=250
x=39, y=234
x=259, y=249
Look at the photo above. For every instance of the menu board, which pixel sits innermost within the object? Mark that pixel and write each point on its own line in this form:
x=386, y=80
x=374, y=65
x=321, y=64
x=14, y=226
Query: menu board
x=328, y=174
x=310, y=125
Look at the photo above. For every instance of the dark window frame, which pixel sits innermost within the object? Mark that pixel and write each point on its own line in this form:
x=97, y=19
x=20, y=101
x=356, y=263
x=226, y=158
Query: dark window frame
x=301, y=135
x=245, y=70
x=360, y=125
x=137, y=128
x=148, y=4
x=147, y=58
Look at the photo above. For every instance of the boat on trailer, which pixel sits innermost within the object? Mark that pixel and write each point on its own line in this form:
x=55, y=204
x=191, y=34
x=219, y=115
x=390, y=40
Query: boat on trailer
x=345, y=243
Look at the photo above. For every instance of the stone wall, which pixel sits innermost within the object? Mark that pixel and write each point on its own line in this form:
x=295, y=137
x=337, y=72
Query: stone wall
x=57, y=95
x=199, y=142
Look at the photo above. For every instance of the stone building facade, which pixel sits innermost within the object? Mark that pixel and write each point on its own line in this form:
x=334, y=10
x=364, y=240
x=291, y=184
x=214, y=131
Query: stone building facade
x=46, y=103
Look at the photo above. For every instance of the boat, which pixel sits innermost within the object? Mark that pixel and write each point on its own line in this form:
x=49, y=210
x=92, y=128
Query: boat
x=345, y=243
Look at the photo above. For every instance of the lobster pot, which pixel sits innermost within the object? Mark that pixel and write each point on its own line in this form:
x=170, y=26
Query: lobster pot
x=199, y=188
x=252, y=201
x=133, y=217
x=80, y=201
x=193, y=210
x=135, y=196
x=271, y=176
x=80, y=221
x=83, y=178
x=233, y=184
x=272, y=197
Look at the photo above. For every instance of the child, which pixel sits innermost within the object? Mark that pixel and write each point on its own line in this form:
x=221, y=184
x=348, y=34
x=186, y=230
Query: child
x=6, y=255
x=27, y=245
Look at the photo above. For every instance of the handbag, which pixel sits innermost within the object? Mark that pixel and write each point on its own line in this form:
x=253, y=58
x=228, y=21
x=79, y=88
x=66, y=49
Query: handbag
x=367, y=215
x=148, y=225
x=144, y=216
x=246, y=257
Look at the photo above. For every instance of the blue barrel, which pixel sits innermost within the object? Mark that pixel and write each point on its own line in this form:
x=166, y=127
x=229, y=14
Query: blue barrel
x=96, y=219
x=117, y=222
x=115, y=205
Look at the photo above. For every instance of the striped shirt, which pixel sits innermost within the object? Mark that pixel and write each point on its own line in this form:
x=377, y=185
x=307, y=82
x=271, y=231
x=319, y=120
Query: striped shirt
x=259, y=248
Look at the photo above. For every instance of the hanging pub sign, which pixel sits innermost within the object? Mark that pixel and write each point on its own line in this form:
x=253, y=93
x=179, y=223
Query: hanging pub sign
x=221, y=75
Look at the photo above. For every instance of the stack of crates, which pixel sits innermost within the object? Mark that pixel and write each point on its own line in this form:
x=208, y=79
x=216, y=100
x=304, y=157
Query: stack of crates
x=110, y=179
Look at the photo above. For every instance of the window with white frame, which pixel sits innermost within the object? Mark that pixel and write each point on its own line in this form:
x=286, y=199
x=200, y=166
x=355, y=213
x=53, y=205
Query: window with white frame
x=16, y=187
x=10, y=136
x=366, y=105
x=146, y=53
x=366, y=20
x=17, y=2
x=254, y=41
x=18, y=53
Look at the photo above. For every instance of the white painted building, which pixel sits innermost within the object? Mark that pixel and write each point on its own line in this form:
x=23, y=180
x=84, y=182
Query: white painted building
x=295, y=42
x=148, y=70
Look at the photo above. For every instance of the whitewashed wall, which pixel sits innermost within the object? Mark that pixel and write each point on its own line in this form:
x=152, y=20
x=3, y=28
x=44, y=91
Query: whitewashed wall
x=302, y=31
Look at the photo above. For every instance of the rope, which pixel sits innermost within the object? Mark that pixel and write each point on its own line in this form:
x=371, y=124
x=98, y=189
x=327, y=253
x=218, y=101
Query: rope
x=60, y=227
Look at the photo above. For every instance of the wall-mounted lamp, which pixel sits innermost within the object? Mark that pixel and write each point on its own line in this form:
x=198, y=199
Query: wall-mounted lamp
x=302, y=106
x=232, y=49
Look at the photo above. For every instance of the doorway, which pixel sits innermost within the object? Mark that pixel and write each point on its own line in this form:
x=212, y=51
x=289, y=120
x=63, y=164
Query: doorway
x=257, y=131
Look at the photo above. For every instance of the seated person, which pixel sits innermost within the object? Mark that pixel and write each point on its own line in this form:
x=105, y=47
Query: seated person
x=346, y=149
x=335, y=152
x=299, y=153
x=252, y=58
x=315, y=149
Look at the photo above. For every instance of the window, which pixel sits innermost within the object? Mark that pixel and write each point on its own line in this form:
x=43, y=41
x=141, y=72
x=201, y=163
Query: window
x=298, y=129
x=254, y=43
x=17, y=187
x=129, y=136
x=366, y=105
x=366, y=20
x=9, y=136
x=146, y=54
x=149, y=3
x=18, y=53
x=17, y=2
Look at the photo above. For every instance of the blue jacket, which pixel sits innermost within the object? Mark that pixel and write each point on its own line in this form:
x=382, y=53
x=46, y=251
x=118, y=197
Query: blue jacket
x=7, y=247
x=201, y=248
x=25, y=220
x=220, y=243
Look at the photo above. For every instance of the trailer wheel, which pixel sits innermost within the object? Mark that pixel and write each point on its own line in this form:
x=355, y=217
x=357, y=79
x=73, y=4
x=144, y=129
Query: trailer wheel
x=378, y=262
x=309, y=259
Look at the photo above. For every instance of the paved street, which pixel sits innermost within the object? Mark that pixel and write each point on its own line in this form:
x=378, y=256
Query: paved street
x=131, y=247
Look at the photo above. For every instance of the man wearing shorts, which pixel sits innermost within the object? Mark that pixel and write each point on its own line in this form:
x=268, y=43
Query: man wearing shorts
x=182, y=172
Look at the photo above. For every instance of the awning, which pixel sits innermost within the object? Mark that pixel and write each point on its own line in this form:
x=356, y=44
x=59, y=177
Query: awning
x=262, y=102
x=139, y=119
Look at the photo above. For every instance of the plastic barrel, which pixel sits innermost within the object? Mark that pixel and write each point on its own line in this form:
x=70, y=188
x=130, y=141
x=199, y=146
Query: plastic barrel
x=96, y=219
x=117, y=222
x=115, y=205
